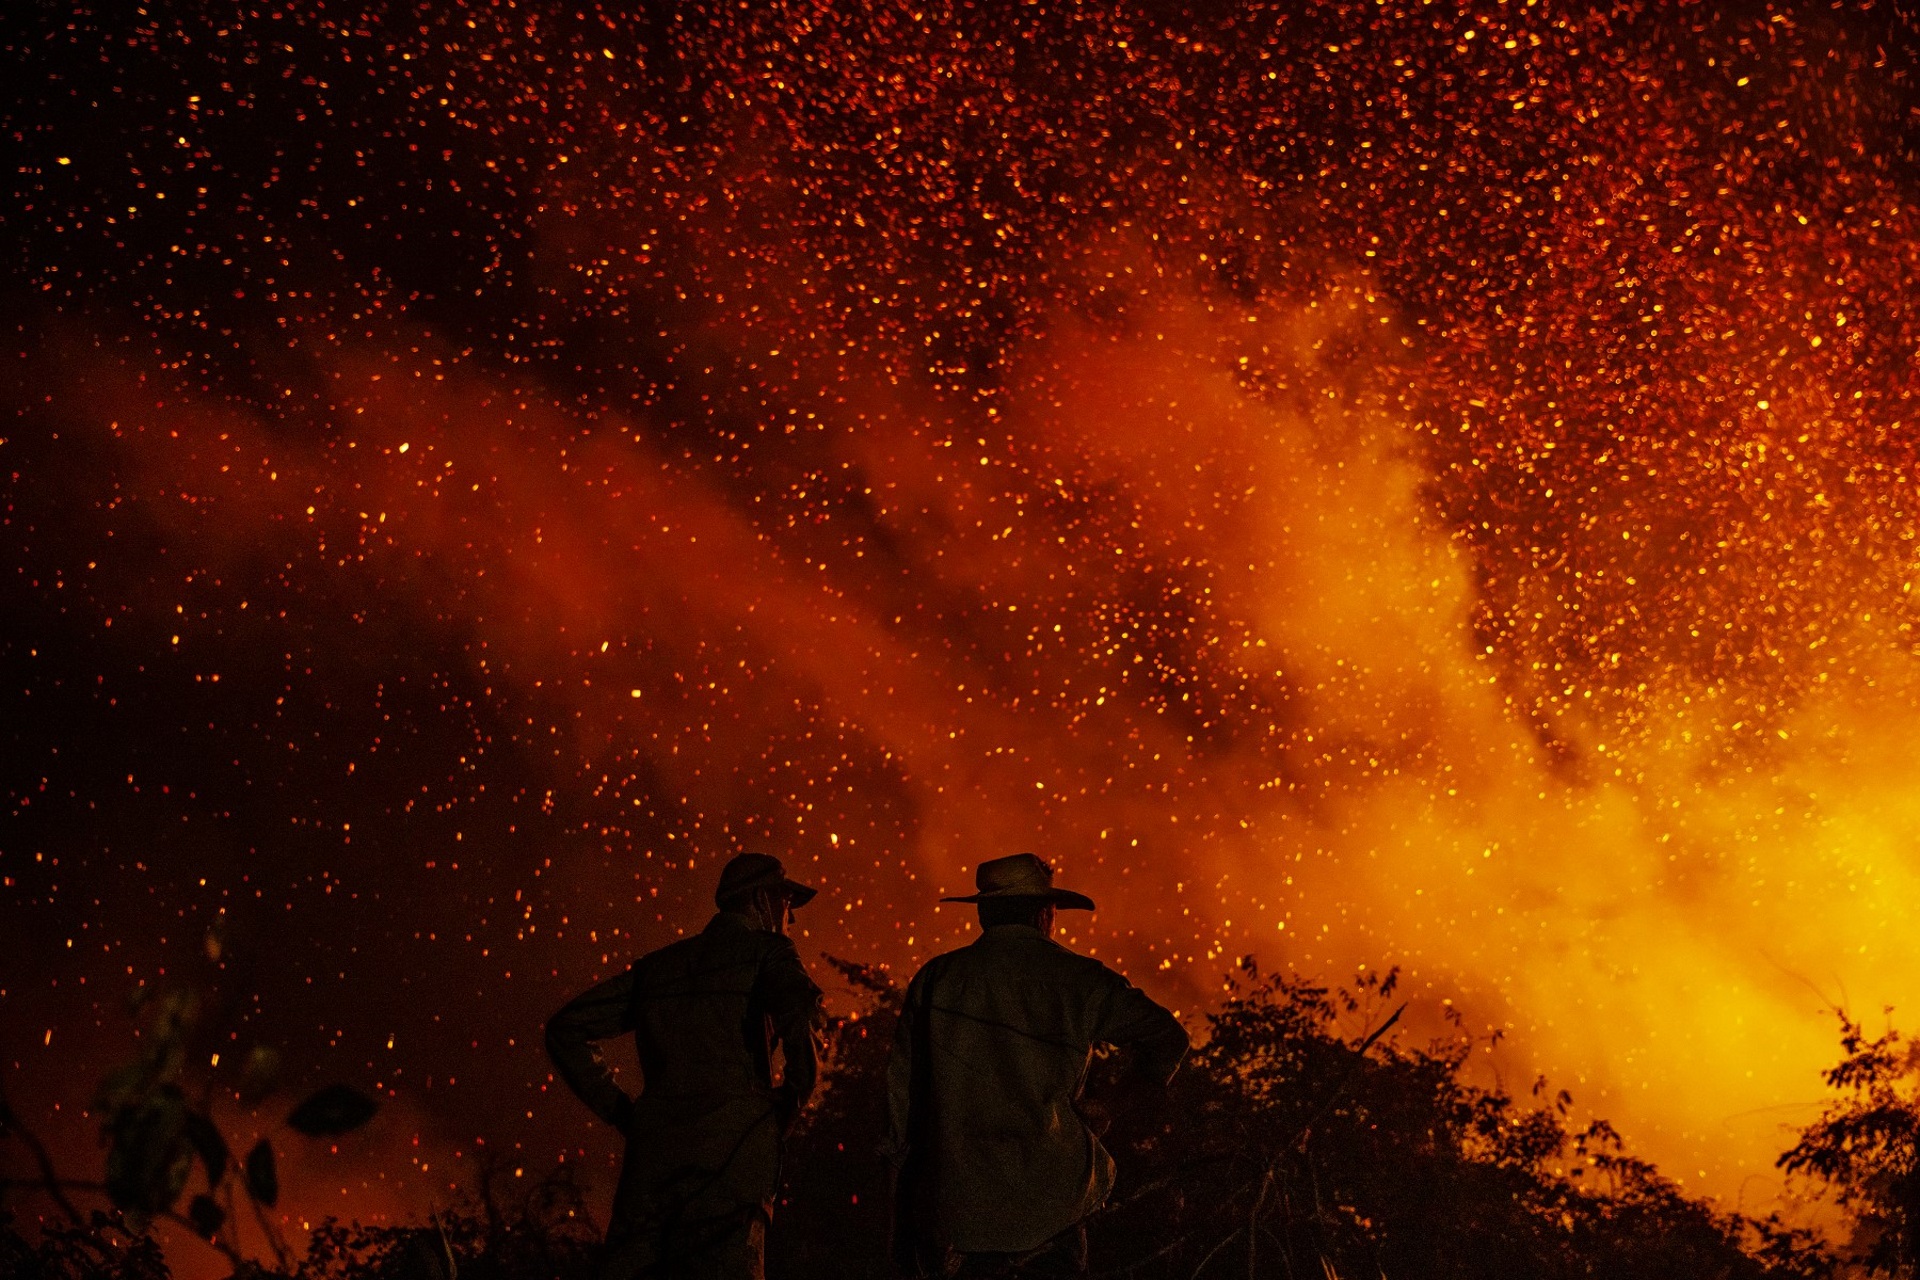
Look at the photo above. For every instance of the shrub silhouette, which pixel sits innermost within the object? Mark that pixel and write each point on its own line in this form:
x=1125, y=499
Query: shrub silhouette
x=545, y=1232
x=155, y=1132
x=1865, y=1148
x=1285, y=1148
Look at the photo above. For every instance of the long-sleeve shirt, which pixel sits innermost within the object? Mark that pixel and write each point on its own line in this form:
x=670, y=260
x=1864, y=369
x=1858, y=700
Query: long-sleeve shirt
x=705, y=1013
x=992, y=1050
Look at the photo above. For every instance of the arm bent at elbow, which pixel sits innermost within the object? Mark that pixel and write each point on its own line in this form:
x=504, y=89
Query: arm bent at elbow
x=792, y=1002
x=1158, y=1041
x=802, y=1071
x=600, y=1013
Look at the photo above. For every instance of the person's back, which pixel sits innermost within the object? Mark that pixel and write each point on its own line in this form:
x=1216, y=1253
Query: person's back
x=702, y=1159
x=699, y=1008
x=993, y=1048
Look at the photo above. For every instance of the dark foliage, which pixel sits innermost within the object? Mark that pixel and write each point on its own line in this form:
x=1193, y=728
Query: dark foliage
x=544, y=1234
x=148, y=1155
x=263, y=1174
x=93, y=1251
x=1866, y=1148
x=834, y=1213
x=154, y=1132
x=1285, y=1149
x=336, y=1109
x=210, y=1145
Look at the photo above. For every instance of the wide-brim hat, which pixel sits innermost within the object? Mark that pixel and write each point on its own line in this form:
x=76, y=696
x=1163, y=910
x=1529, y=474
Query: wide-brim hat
x=1023, y=875
x=751, y=872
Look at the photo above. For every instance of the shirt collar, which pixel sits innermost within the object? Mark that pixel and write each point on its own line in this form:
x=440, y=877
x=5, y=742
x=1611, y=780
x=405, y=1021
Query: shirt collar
x=731, y=920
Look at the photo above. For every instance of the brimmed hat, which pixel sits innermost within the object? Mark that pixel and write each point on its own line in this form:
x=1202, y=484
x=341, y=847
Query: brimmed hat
x=752, y=872
x=1023, y=875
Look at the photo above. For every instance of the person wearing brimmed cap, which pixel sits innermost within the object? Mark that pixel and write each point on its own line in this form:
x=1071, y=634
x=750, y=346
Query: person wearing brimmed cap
x=996, y=1169
x=704, y=1135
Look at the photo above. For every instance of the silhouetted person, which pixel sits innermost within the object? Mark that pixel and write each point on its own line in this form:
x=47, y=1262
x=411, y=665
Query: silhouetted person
x=704, y=1135
x=996, y=1168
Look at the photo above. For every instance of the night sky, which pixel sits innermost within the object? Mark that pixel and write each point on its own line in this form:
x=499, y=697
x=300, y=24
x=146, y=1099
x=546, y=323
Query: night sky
x=1353, y=483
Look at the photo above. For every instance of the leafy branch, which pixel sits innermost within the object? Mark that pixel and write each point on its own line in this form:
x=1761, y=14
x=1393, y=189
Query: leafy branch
x=156, y=1135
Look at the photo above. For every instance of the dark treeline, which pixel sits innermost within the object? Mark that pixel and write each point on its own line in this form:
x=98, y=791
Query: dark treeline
x=1296, y=1142
x=1286, y=1148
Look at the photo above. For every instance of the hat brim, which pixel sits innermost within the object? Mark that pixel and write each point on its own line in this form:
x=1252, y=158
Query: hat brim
x=1064, y=898
x=798, y=894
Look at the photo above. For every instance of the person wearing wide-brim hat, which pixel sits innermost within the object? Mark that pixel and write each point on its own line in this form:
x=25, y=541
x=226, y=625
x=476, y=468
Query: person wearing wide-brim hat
x=703, y=1137
x=996, y=1169
x=1023, y=876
